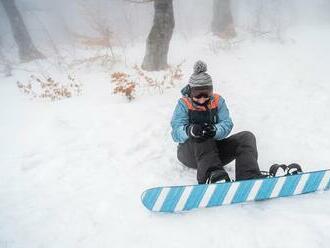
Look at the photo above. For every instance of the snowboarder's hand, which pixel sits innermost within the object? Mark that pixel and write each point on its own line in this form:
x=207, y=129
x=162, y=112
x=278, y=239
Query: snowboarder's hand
x=201, y=132
x=195, y=131
x=209, y=130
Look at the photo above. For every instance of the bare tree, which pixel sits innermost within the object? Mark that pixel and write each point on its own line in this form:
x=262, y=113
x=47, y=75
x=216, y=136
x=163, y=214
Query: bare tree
x=159, y=38
x=26, y=49
x=222, y=23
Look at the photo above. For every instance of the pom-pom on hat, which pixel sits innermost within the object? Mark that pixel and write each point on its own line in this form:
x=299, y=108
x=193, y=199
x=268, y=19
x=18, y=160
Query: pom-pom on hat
x=200, y=77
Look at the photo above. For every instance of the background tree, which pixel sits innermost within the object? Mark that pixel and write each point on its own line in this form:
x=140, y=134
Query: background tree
x=26, y=49
x=159, y=38
x=222, y=22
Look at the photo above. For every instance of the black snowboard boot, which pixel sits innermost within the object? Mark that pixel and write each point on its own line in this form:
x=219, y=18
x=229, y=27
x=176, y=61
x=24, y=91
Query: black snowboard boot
x=218, y=176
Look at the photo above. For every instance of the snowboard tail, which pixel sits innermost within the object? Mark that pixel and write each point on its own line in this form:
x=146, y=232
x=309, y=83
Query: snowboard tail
x=183, y=198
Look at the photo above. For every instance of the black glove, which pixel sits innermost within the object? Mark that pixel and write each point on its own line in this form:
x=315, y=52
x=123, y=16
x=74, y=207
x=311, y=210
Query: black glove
x=195, y=131
x=201, y=132
x=209, y=130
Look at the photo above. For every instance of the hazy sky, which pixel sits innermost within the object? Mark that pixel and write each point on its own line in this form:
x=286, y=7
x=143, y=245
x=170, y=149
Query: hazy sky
x=131, y=22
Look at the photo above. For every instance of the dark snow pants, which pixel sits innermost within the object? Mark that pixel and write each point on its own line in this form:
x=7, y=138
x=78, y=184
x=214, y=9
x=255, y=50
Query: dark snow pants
x=214, y=154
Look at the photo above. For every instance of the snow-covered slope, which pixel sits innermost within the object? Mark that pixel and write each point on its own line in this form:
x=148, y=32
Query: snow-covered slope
x=71, y=172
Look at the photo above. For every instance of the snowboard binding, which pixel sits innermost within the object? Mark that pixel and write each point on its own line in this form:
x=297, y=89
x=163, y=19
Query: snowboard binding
x=293, y=169
x=284, y=170
x=277, y=170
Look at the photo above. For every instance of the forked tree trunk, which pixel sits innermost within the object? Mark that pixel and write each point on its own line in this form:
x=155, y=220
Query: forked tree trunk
x=26, y=49
x=159, y=38
x=222, y=23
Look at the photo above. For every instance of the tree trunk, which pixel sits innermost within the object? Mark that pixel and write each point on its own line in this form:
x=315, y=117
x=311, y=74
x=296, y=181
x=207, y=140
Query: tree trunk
x=159, y=38
x=26, y=49
x=222, y=23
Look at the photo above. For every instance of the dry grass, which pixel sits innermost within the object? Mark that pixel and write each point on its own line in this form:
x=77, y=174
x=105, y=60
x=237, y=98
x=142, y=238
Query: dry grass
x=123, y=85
x=127, y=84
x=47, y=88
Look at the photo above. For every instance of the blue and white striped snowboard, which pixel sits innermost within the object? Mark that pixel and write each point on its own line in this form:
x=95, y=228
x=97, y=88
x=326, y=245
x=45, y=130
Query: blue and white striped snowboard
x=183, y=198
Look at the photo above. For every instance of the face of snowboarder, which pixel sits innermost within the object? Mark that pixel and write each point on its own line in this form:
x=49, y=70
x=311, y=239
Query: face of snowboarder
x=201, y=100
x=201, y=94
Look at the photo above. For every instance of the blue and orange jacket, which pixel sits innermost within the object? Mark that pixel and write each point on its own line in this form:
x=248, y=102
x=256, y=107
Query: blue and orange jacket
x=182, y=117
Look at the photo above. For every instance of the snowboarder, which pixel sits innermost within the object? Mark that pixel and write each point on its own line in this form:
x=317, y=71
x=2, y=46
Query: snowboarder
x=201, y=124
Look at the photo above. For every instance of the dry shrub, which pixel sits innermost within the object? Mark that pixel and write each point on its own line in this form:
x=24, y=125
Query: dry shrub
x=98, y=43
x=102, y=40
x=101, y=50
x=123, y=85
x=49, y=89
x=127, y=84
x=167, y=80
x=105, y=60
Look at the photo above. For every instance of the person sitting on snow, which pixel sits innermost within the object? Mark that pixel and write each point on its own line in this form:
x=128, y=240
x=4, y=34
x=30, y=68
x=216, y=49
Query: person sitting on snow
x=201, y=124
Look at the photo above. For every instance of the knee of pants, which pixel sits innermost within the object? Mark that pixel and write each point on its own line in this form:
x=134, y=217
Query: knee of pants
x=248, y=143
x=248, y=137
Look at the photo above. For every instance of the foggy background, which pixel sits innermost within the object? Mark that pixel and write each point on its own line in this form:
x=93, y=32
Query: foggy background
x=56, y=21
x=85, y=129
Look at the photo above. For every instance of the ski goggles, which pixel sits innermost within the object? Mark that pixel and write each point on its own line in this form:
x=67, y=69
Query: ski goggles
x=203, y=91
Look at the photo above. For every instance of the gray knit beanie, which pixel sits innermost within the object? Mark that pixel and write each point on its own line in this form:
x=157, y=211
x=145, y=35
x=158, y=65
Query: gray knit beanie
x=200, y=77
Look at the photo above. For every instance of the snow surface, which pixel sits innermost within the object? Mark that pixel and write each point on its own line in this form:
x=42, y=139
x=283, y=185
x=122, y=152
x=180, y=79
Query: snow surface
x=72, y=171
